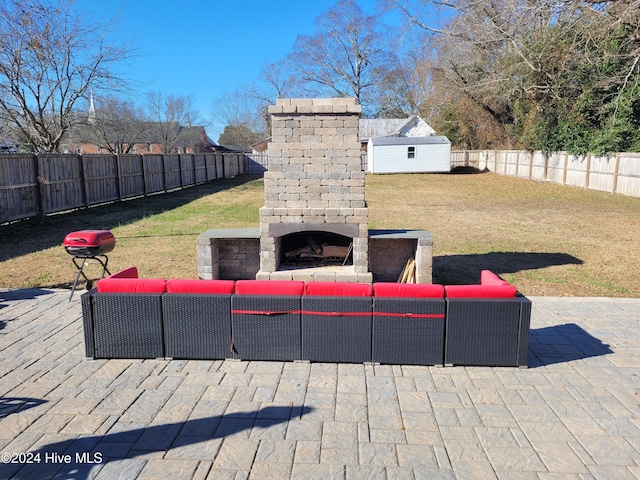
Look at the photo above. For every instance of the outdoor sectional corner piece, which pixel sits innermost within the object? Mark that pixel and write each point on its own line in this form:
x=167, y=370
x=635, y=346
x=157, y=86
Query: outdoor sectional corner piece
x=486, y=324
x=130, y=317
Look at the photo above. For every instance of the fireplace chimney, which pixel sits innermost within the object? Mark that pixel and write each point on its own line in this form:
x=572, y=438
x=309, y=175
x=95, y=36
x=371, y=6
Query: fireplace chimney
x=314, y=186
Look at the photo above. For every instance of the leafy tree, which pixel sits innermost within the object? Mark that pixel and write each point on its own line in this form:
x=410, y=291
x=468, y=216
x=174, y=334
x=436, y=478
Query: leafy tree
x=49, y=58
x=549, y=75
x=239, y=136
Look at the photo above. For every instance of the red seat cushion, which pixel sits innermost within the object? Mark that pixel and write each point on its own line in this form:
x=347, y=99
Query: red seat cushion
x=179, y=285
x=129, y=272
x=269, y=287
x=132, y=285
x=480, y=291
x=337, y=289
x=487, y=277
x=383, y=289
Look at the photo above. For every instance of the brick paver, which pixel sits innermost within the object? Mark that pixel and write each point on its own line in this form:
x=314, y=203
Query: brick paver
x=573, y=414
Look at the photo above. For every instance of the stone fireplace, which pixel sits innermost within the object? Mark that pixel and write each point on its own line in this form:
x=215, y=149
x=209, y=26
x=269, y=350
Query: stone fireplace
x=314, y=223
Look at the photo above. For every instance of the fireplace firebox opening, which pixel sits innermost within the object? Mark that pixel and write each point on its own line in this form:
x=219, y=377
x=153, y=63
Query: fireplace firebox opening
x=315, y=248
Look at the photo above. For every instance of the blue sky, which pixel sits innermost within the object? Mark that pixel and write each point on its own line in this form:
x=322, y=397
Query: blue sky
x=205, y=47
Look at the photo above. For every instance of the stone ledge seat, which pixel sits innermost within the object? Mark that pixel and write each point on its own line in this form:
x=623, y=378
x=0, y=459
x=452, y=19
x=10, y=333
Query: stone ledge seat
x=416, y=324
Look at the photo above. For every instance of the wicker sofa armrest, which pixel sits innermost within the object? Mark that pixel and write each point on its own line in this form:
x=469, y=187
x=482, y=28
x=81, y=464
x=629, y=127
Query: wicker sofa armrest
x=487, y=331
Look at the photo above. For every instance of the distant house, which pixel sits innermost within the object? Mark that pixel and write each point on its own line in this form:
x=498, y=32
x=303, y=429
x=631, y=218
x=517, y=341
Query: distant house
x=8, y=146
x=261, y=146
x=138, y=137
x=194, y=140
x=407, y=145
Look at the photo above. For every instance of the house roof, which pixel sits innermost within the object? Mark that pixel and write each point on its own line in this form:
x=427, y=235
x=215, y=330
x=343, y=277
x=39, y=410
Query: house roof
x=190, y=136
x=148, y=132
x=413, y=126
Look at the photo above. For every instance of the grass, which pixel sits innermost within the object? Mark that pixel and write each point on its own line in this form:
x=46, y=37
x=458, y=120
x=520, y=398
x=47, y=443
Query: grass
x=545, y=238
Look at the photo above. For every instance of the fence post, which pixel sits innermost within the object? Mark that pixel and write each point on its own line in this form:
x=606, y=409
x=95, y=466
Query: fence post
x=83, y=177
x=564, y=170
x=546, y=166
x=195, y=171
x=615, y=173
x=42, y=184
x=118, y=187
x=144, y=175
x=224, y=161
x=164, y=173
x=588, y=171
x=38, y=192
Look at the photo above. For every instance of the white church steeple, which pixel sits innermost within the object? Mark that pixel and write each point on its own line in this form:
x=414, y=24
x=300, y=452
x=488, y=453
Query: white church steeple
x=92, y=109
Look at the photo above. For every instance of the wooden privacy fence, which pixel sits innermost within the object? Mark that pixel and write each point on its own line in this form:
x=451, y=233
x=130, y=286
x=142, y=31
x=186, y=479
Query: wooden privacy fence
x=615, y=173
x=256, y=163
x=36, y=185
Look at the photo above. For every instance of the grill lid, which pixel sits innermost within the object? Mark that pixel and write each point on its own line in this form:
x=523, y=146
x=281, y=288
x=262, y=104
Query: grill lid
x=89, y=238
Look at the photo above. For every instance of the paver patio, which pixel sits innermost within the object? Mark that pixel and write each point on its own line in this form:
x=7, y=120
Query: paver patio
x=574, y=413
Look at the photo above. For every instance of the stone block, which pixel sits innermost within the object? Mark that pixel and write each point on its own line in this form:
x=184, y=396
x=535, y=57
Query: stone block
x=324, y=276
x=292, y=219
x=313, y=219
x=321, y=108
x=281, y=275
x=296, y=204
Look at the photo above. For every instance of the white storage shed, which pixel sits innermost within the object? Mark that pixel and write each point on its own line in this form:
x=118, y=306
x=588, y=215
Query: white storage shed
x=428, y=154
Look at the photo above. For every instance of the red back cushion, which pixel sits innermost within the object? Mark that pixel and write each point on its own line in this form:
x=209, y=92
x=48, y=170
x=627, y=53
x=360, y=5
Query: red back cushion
x=383, y=289
x=480, y=291
x=269, y=287
x=338, y=289
x=132, y=285
x=130, y=272
x=487, y=277
x=179, y=285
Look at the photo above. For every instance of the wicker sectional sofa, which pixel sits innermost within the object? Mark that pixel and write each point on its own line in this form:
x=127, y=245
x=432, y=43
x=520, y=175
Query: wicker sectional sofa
x=390, y=323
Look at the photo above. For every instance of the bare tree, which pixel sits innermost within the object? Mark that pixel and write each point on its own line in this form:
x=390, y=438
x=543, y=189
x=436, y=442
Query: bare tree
x=116, y=126
x=348, y=55
x=241, y=111
x=49, y=58
x=168, y=113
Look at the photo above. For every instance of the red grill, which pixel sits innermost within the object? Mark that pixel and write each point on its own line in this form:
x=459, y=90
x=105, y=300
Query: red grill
x=87, y=245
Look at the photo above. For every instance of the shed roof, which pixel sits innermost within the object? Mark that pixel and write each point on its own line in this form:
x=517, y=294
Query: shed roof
x=430, y=140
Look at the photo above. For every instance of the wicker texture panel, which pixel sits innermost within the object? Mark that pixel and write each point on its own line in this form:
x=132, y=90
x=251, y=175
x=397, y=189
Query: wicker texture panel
x=271, y=332
x=197, y=326
x=128, y=325
x=525, y=326
x=87, y=322
x=330, y=337
x=405, y=340
x=484, y=332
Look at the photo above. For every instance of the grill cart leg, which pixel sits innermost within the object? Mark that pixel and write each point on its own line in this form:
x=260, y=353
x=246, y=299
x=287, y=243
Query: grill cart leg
x=80, y=263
